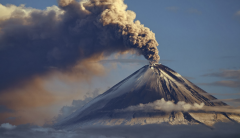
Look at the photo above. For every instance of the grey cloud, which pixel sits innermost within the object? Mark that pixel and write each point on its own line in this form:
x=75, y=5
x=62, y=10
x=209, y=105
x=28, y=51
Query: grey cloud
x=124, y=61
x=233, y=77
x=76, y=104
x=4, y=109
x=227, y=100
x=227, y=83
x=224, y=83
x=221, y=130
x=220, y=94
x=229, y=74
x=67, y=110
x=11, y=118
x=130, y=61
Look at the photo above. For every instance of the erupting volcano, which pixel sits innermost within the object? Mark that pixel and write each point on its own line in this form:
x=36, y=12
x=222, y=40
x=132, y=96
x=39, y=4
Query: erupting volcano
x=153, y=94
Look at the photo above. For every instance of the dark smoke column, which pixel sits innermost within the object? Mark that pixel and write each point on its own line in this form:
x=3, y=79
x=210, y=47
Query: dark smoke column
x=117, y=25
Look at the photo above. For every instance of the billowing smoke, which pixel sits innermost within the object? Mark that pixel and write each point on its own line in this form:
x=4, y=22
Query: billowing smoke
x=36, y=42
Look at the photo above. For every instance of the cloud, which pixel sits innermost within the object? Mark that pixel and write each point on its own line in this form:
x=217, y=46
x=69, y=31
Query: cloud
x=76, y=104
x=233, y=77
x=5, y=109
x=230, y=74
x=125, y=61
x=226, y=83
x=7, y=126
x=194, y=11
x=221, y=130
x=172, y=8
x=233, y=100
x=163, y=105
x=170, y=106
x=220, y=94
x=129, y=61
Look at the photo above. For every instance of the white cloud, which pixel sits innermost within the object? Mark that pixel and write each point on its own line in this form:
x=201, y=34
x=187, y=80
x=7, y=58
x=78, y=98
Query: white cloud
x=7, y=126
x=165, y=106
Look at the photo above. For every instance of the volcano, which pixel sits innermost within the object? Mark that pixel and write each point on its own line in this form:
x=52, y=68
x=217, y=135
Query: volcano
x=145, y=86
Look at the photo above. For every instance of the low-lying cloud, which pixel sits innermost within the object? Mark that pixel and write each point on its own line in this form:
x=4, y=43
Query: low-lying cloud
x=76, y=104
x=7, y=126
x=221, y=130
x=169, y=106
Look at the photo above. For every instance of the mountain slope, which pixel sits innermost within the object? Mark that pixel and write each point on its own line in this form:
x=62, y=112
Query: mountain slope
x=148, y=84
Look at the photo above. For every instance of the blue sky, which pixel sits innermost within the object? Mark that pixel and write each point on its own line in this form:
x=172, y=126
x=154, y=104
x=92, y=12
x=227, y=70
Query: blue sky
x=197, y=39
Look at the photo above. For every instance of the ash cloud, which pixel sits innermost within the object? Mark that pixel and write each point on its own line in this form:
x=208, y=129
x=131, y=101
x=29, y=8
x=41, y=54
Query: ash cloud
x=33, y=42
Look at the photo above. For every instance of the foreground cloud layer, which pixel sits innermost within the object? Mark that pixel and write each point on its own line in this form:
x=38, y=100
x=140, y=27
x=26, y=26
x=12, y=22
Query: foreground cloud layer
x=221, y=130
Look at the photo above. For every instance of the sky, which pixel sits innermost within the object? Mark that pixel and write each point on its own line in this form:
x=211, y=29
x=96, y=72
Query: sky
x=197, y=39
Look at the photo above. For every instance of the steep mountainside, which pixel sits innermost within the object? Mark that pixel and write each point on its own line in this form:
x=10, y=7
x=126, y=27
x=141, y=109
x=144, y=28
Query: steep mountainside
x=148, y=84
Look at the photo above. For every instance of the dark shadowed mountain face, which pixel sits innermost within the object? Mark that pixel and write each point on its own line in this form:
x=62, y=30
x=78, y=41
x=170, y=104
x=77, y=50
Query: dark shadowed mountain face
x=148, y=84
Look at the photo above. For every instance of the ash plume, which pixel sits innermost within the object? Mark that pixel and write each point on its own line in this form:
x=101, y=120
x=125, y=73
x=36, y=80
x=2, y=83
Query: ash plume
x=33, y=41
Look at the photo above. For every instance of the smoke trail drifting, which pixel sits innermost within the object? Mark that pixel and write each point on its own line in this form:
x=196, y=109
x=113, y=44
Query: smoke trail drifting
x=33, y=41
